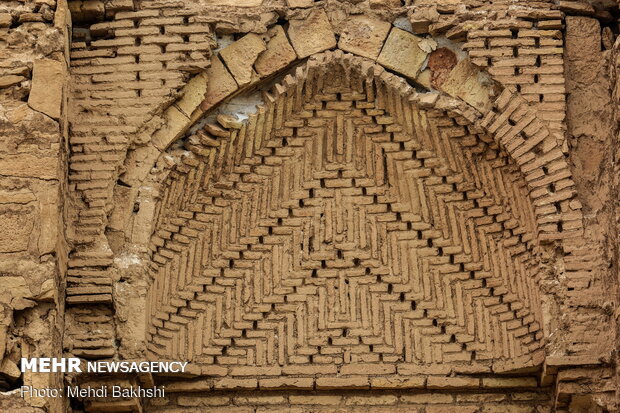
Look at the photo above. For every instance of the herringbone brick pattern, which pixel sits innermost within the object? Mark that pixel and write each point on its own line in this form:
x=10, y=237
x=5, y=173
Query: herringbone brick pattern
x=343, y=224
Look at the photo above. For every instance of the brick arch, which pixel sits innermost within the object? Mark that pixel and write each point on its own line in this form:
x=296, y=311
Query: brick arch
x=484, y=183
x=498, y=111
x=505, y=119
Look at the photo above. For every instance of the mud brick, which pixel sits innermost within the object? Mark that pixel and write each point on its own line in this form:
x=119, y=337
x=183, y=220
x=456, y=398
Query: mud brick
x=364, y=36
x=402, y=54
x=312, y=34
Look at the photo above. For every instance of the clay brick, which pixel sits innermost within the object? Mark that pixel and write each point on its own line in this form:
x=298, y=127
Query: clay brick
x=193, y=94
x=464, y=82
x=319, y=399
x=240, y=56
x=452, y=409
x=278, y=55
x=176, y=122
x=300, y=3
x=5, y=19
x=427, y=398
x=372, y=400
x=286, y=383
x=47, y=87
x=259, y=399
x=309, y=370
x=501, y=383
x=364, y=36
x=220, y=84
x=311, y=35
x=452, y=382
x=502, y=408
x=6, y=81
x=342, y=383
x=368, y=369
x=402, y=54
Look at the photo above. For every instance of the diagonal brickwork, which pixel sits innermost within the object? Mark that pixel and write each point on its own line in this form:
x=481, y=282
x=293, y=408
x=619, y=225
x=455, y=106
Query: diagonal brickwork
x=270, y=251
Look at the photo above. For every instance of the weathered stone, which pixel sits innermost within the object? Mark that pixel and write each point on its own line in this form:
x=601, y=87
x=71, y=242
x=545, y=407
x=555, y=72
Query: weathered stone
x=220, y=84
x=39, y=165
x=312, y=34
x=17, y=224
x=10, y=369
x=402, y=54
x=194, y=93
x=240, y=57
x=47, y=87
x=385, y=4
x=424, y=78
x=364, y=36
x=466, y=82
x=5, y=19
x=10, y=80
x=299, y=3
x=278, y=55
x=235, y=3
x=422, y=18
x=175, y=124
x=229, y=121
x=48, y=216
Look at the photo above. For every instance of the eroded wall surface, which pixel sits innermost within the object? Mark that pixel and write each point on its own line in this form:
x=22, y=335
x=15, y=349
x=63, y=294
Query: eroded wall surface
x=186, y=214
x=34, y=62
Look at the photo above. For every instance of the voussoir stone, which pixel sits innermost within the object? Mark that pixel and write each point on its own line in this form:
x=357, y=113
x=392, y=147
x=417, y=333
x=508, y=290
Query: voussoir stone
x=241, y=55
x=364, y=36
x=220, y=83
x=312, y=34
x=402, y=54
x=464, y=81
x=278, y=55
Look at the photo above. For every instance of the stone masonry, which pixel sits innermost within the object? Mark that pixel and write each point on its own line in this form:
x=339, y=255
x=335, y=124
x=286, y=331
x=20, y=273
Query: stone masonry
x=321, y=206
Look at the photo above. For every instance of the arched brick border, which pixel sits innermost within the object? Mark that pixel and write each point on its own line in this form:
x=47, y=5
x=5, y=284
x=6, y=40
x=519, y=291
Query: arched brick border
x=500, y=112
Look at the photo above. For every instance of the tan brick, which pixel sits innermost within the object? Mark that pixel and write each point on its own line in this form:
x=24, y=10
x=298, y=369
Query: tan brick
x=300, y=3
x=203, y=401
x=367, y=368
x=503, y=408
x=427, y=398
x=278, y=55
x=229, y=383
x=452, y=382
x=397, y=382
x=312, y=34
x=323, y=399
x=451, y=409
x=478, y=398
x=220, y=84
x=10, y=80
x=47, y=87
x=402, y=54
x=260, y=399
x=240, y=56
x=176, y=122
x=464, y=81
x=286, y=383
x=364, y=36
x=342, y=382
x=193, y=94
x=509, y=382
x=372, y=399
